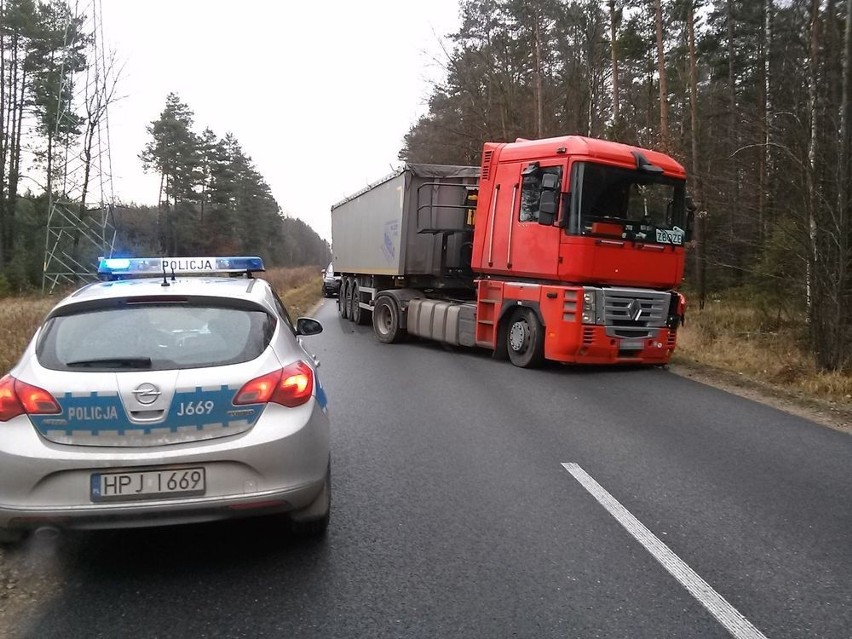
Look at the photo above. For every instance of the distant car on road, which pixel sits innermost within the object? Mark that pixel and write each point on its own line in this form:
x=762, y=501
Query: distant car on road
x=155, y=399
x=330, y=282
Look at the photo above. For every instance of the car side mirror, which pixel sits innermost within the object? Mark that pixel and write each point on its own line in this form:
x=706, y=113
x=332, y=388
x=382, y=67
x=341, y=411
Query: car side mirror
x=308, y=326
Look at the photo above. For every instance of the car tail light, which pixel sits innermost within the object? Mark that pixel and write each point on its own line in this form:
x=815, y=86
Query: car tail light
x=291, y=386
x=18, y=398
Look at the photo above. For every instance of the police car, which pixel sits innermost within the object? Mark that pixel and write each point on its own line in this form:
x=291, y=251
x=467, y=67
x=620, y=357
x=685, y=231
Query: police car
x=156, y=398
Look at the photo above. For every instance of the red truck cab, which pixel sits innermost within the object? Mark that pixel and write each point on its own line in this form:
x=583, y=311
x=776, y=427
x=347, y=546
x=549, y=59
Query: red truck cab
x=587, y=234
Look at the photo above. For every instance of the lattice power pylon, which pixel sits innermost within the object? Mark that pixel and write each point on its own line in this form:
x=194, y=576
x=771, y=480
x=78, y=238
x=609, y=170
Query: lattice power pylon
x=80, y=215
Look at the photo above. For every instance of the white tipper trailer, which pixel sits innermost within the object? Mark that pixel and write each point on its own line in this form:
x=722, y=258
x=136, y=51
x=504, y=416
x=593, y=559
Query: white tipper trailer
x=408, y=238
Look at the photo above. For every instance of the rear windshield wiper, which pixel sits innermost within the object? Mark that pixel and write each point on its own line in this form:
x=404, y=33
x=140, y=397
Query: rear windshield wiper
x=113, y=362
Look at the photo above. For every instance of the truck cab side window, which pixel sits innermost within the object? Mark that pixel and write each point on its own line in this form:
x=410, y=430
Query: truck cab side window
x=531, y=192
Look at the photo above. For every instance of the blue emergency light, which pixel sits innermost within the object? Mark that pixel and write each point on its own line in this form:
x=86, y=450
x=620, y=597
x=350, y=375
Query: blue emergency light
x=152, y=266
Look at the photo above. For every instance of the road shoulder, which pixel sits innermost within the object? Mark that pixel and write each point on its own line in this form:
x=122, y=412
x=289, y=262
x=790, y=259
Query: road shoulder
x=831, y=414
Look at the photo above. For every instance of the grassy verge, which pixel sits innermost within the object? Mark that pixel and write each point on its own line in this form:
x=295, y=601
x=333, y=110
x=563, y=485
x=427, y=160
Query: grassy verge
x=300, y=288
x=738, y=344
x=19, y=319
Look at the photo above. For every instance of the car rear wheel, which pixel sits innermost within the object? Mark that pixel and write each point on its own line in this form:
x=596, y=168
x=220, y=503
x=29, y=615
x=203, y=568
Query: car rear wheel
x=525, y=339
x=313, y=520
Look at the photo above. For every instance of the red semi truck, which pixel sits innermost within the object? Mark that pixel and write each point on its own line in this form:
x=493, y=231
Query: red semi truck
x=566, y=249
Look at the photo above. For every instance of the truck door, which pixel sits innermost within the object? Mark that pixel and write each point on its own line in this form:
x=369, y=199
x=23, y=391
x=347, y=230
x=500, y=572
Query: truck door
x=534, y=236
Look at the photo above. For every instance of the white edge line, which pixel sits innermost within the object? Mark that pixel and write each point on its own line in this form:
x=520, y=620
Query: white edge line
x=716, y=604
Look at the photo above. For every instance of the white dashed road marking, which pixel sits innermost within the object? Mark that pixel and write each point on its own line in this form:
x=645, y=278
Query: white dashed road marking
x=728, y=616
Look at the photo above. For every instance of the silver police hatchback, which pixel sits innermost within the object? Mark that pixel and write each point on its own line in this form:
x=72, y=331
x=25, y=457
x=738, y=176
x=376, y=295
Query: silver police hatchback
x=157, y=398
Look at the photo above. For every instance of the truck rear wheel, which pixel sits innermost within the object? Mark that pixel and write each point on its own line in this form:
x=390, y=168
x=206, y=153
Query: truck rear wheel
x=525, y=339
x=386, y=320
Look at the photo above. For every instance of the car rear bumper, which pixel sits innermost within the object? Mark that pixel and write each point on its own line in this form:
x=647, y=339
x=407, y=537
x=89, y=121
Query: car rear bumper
x=277, y=466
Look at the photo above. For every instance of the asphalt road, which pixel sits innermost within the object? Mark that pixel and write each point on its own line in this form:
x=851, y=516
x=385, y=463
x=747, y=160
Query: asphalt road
x=453, y=516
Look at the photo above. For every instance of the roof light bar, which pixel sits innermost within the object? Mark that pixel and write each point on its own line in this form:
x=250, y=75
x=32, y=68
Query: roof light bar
x=178, y=265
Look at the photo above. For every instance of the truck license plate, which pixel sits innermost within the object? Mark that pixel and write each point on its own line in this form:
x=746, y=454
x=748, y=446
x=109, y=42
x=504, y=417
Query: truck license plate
x=148, y=484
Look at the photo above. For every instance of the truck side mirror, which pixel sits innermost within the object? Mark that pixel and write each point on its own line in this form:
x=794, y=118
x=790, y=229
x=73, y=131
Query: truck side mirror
x=549, y=199
x=547, y=207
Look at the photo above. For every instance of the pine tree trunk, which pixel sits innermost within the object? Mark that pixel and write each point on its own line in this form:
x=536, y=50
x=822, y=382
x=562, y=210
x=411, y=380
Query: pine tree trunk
x=3, y=138
x=539, y=125
x=661, y=68
x=840, y=319
x=766, y=155
x=810, y=186
x=614, y=51
x=733, y=131
x=700, y=240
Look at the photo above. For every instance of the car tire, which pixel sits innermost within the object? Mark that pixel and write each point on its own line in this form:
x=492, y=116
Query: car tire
x=386, y=320
x=525, y=339
x=313, y=521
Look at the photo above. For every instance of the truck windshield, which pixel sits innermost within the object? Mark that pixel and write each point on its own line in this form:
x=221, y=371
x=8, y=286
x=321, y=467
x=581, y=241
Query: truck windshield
x=628, y=204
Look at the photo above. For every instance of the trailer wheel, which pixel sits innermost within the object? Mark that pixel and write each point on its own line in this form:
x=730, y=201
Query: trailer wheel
x=341, y=299
x=525, y=339
x=346, y=295
x=359, y=315
x=386, y=320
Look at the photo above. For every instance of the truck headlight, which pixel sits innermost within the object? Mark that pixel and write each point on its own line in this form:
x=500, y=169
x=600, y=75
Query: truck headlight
x=589, y=309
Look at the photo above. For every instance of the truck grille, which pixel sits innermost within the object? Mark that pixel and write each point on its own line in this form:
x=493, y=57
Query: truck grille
x=635, y=313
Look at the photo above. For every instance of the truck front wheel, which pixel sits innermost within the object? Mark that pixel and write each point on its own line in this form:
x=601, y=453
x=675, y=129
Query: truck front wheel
x=525, y=339
x=386, y=320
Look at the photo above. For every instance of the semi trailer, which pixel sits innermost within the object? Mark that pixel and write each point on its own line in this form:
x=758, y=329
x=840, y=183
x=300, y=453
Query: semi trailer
x=566, y=249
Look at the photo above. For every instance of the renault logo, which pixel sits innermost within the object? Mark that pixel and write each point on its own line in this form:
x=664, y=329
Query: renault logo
x=146, y=393
x=634, y=310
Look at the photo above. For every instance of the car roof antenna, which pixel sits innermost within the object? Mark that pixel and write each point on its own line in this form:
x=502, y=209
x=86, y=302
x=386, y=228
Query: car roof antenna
x=165, y=277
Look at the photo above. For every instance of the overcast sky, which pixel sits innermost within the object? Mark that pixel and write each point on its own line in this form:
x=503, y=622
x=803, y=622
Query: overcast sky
x=319, y=94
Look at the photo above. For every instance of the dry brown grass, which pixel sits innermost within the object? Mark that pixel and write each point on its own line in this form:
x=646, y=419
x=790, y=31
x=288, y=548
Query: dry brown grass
x=19, y=319
x=300, y=288
x=732, y=336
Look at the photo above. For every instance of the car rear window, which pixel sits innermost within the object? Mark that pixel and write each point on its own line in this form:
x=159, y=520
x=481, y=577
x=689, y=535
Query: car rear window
x=154, y=337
